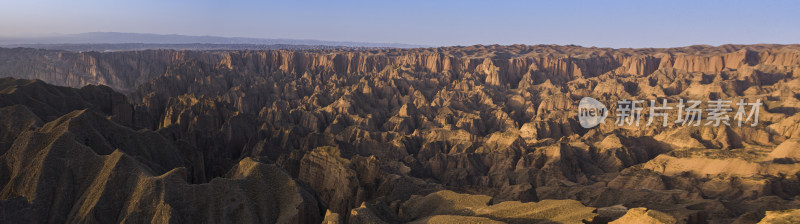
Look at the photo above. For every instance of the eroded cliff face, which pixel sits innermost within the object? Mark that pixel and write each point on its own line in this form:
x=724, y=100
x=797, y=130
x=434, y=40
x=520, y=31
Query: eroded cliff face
x=368, y=133
x=497, y=65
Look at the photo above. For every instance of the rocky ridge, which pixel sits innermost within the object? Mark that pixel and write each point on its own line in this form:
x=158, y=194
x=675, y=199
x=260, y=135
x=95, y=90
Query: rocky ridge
x=366, y=132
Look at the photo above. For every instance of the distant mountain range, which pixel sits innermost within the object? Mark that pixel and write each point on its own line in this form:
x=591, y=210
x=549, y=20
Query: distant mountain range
x=172, y=39
x=195, y=47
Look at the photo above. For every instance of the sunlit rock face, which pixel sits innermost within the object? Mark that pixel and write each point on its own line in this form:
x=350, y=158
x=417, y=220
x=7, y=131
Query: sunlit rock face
x=393, y=135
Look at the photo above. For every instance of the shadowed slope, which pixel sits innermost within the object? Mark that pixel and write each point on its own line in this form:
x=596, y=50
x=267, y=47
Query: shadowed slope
x=61, y=178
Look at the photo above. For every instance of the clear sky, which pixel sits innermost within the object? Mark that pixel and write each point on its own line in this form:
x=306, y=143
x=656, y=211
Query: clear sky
x=588, y=23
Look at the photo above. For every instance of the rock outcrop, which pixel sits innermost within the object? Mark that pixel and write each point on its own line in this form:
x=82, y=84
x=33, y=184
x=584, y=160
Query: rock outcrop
x=448, y=206
x=642, y=215
x=367, y=133
x=82, y=168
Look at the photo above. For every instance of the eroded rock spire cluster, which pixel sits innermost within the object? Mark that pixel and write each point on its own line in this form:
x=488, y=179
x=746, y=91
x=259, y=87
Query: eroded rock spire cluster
x=478, y=134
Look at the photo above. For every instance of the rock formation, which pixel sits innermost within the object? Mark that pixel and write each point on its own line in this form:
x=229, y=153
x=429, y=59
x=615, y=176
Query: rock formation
x=483, y=134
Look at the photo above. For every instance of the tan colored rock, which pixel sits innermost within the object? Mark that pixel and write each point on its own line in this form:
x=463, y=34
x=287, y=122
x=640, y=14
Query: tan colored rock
x=788, y=149
x=331, y=218
x=786, y=216
x=363, y=214
x=442, y=219
x=332, y=177
x=425, y=209
x=643, y=215
x=490, y=120
x=126, y=185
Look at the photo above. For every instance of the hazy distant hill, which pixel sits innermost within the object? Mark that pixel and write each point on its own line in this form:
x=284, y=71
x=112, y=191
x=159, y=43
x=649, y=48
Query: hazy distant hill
x=144, y=38
x=196, y=47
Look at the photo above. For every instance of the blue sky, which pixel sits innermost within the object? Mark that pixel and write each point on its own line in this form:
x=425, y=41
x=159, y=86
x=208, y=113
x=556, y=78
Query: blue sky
x=587, y=23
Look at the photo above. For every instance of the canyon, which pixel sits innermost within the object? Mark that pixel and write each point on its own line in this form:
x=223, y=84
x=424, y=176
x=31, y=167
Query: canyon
x=475, y=134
